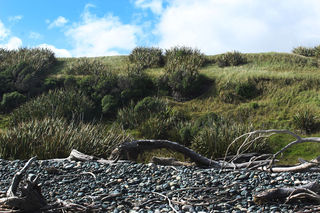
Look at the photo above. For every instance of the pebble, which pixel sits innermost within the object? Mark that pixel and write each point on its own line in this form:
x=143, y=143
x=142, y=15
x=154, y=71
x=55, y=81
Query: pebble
x=145, y=187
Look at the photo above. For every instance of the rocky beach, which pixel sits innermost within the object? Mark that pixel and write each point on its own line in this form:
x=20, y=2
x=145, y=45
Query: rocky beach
x=132, y=187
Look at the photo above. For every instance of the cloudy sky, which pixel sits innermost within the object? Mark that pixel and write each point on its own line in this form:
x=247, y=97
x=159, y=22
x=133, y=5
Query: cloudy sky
x=74, y=28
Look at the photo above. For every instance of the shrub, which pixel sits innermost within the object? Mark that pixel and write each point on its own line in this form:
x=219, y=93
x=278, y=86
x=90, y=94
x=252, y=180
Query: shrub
x=27, y=67
x=317, y=51
x=135, y=114
x=305, y=51
x=150, y=105
x=11, y=101
x=109, y=104
x=86, y=66
x=234, y=58
x=52, y=83
x=55, y=138
x=135, y=85
x=182, y=72
x=69, y=104
x=306, y=120
x=213, y=139
x=186, y=55
x=127, y=118
x=147, y=57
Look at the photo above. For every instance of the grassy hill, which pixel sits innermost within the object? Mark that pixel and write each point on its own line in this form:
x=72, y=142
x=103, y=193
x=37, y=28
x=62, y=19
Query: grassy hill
x=269, y=91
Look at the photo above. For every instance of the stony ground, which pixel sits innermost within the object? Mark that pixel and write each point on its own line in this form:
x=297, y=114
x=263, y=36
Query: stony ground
x=130, y=187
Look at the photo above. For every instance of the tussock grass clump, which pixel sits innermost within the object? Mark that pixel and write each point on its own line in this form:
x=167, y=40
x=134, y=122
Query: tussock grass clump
x=147, y=57
x=86, y=66
x=234, y=58
x=216, y=135
x=306, y=120
x=68, y=104
x=182, y=72
x=55, y=138
x=304, y=51
x=40, y=59
x=24, y=69
x=185, y=55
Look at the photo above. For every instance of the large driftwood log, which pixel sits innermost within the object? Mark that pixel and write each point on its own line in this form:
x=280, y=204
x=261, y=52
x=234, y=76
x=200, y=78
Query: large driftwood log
x=131, y=150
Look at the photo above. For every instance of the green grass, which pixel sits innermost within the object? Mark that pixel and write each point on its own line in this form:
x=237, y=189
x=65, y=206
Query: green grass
x=286, y=83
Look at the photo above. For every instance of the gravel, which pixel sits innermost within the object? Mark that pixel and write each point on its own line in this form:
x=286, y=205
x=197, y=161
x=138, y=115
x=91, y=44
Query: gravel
x=131, y=187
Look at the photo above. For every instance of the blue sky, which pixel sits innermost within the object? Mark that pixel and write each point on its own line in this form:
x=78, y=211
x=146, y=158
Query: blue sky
x=75, y=28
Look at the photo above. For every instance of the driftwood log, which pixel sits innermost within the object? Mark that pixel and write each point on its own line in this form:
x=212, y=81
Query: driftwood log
x=28, y=198
x=131, y=150
x=308, y=193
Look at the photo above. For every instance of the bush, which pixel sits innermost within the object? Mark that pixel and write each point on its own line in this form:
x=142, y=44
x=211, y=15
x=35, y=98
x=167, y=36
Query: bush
x=135, y=85
x=213, y=139
x=86, y=66
x=11, y=101
x=135, y=114
x=306, y=121
x=234, y=58
x=55, y=138
x=185, y=55
x=304, y=51
x=68, y=104
x=150, y=105
x=147, y=57
x=182, y=72
x=27, y=67
x=109, y=104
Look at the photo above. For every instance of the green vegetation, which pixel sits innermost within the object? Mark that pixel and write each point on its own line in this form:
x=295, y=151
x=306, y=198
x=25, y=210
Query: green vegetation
x=179, y=94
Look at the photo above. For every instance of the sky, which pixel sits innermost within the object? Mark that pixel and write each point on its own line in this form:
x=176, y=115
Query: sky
x=78, y=28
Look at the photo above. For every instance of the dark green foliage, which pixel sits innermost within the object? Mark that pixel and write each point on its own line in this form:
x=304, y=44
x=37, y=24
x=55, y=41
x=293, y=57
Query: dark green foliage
x=109, y=104
x=147, y=57
x=52, y=83
x=306, y=121
x=23, y=70
x=69, y=104
x=182, y=72
x=305, y=51
x=6, y=82
x=11, y=100
x=234, y=58
x=149, y=106
x=247, y=90
x=70, y=82
x=135, y=85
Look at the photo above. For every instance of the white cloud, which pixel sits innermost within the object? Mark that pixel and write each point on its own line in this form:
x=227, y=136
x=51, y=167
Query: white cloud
x=154, y=5
x=15, y=18
x=59, y=22
x=4, y=32
x=96, y=36
x=35, y=35
x=13, y=43
x=58, y=52
x=216, y=26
